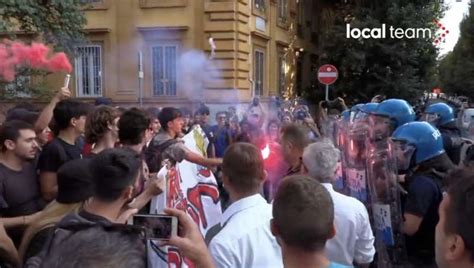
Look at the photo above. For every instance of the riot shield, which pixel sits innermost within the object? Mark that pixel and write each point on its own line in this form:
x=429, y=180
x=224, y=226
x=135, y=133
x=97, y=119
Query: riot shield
x=354, y=165
x=328, y=128
x=339, y=142
x=380, y=126
x=385, y=201
x=466, y=123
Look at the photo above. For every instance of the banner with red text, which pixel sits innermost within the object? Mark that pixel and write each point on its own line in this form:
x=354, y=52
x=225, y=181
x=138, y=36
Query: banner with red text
x=191, y=188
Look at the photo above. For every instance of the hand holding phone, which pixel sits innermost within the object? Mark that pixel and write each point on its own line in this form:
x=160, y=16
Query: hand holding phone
x=189, y=240
x=157, y=226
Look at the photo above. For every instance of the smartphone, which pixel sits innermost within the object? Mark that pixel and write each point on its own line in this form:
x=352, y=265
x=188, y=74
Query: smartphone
x=157, y=226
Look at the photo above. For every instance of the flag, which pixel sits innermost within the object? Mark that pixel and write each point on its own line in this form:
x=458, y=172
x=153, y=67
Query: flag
x=191, y=188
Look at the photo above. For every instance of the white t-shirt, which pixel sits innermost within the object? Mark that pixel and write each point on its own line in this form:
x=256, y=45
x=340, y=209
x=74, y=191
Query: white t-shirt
x=246, y=239
x=354, y=240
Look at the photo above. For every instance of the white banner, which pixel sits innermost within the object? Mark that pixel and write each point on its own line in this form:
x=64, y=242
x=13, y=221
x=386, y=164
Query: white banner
x=191, y=188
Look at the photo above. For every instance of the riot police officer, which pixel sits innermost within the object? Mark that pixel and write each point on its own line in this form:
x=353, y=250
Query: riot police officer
x=365, y=110
x=441, y=115
x=418, y=147
x=389, y=115
x=382, y=179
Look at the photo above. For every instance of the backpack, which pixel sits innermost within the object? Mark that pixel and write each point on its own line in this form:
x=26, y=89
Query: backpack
x=154, y=154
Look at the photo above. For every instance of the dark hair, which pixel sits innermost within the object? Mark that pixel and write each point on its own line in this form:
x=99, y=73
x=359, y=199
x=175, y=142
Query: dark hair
x=75, y=183
x=244, y=121
x=96, y=247
x=11, y=131
x=153, y=112
x=460, y=210
x=203, y=109
x=132, y=126
x=303, y=213
x=240, y=155
x=168, y=114
x=113, y=170
x=273, y=121
x=102, y=101
x=121, y=110
x=97, y=123
x=222, y=113
x=23, y=115
x=66, y=110
x=185, y=111
x=296, y=135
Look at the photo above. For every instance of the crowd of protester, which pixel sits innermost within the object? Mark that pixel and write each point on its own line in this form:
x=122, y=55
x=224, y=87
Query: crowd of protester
x=72, y=174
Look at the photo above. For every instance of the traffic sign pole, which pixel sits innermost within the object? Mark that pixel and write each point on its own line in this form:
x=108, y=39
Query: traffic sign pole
x=327, y=92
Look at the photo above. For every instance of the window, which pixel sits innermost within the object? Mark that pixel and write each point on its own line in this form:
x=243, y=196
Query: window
x=20, y=87
x=281, y=72
x=88, y=68
x=259, y=72
x=164, y=70
x=260, y=5
x=282, y=11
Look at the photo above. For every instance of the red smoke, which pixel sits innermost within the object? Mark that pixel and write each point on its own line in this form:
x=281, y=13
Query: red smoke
x=14, y=54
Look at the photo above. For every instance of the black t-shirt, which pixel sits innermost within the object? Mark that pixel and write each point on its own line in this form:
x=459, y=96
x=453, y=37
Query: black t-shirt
x=19, y=191
x=424, y=197
x=56, y=153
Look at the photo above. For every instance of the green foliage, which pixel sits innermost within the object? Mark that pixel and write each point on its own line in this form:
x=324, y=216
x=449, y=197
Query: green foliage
x=58, y=23
x=28, y=83
x=401, y=68
x=456, y=69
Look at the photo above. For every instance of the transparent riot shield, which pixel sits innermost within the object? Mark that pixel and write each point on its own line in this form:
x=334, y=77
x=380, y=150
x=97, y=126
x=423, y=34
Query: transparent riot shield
x=380, y=127
x=385, y=201
x=354, y=165
x=339, y=141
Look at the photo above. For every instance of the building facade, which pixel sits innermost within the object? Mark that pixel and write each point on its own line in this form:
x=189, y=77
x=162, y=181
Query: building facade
x=160, y=51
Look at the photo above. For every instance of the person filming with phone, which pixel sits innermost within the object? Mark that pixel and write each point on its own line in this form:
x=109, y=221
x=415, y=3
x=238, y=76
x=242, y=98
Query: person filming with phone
x=114, y=174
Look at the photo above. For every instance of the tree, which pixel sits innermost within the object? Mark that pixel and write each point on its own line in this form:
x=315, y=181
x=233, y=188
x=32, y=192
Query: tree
x=57, y=23
x=456, y=69
x=401, y=68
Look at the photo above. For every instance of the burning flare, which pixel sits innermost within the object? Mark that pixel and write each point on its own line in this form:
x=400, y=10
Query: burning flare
x=266, y=152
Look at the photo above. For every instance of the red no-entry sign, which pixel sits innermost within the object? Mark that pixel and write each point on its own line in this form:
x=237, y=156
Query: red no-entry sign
x=327, y=74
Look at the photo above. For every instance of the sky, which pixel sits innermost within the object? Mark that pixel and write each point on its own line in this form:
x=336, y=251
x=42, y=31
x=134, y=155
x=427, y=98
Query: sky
x=457, y=9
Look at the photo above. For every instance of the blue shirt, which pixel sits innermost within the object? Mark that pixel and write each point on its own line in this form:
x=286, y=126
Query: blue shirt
x=424, y=197
x=221, y=139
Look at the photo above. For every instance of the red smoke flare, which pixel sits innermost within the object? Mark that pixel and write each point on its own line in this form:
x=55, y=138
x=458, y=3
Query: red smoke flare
x=15, y=54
